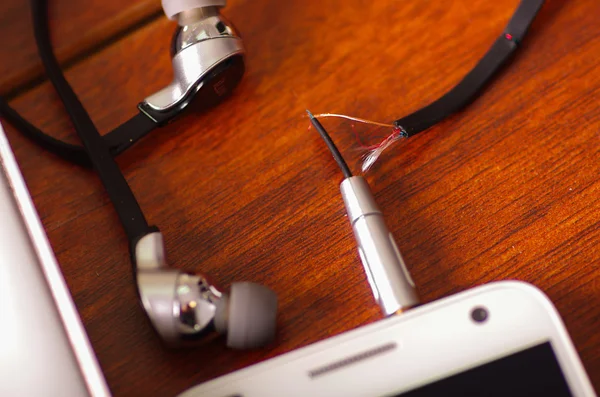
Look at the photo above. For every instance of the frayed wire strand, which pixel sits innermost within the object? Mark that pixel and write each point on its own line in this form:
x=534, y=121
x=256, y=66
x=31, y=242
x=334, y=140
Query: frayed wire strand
x=373, y=155
x=359, y=120
x=374, y=151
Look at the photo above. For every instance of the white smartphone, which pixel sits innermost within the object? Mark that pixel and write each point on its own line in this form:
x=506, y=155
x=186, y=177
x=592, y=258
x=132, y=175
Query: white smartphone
x=501, y=339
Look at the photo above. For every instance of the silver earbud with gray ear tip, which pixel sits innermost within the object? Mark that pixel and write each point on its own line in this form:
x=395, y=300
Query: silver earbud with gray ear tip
x=187, y=308
x=207, y=57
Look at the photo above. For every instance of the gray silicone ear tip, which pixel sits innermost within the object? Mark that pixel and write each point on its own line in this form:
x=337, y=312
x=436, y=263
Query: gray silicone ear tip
x=252, y=316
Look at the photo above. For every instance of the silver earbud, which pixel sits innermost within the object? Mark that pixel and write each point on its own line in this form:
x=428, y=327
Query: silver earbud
x=207, y=57
x=208, y=63
x=187, y=308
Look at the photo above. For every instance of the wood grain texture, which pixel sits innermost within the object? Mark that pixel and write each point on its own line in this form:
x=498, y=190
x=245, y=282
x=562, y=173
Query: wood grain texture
x=76, y=25
x=507, y=189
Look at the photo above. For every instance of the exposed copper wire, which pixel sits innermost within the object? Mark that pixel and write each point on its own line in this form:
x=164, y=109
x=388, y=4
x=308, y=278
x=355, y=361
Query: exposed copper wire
x=373, y=151
x=373, y=154
x=343, y=116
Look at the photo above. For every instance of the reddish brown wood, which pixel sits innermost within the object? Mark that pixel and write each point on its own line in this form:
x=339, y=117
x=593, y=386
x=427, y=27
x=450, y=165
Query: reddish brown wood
x=76, y=25
x=507, y=189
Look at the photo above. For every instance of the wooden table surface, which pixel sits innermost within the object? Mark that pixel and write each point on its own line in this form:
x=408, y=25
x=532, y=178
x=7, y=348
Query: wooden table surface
x=507, y=189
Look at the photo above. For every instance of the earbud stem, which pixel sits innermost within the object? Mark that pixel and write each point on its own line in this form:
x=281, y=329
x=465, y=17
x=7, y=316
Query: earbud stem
x=150, y=252
x=194, y=15
x=173, y=7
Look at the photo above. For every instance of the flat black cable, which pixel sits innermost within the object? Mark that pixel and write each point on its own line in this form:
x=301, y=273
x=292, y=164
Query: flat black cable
x=128, y=133
x=73, y=153
x=476, y=80
x=114, y=182
x=332, y=148
x=118, y=140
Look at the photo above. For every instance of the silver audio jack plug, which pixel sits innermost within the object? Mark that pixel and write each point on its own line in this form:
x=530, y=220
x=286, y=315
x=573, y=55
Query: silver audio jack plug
x=390, y=281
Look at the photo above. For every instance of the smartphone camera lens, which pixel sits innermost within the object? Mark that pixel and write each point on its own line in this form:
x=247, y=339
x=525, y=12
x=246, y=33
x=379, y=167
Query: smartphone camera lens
x=479, y=315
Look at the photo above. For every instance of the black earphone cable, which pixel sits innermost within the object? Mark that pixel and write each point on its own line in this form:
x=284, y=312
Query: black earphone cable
x=476, y=80
x=97, y=149
x=337, y=156
x=118, y=140
x=128, y=133
x=67, y=151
